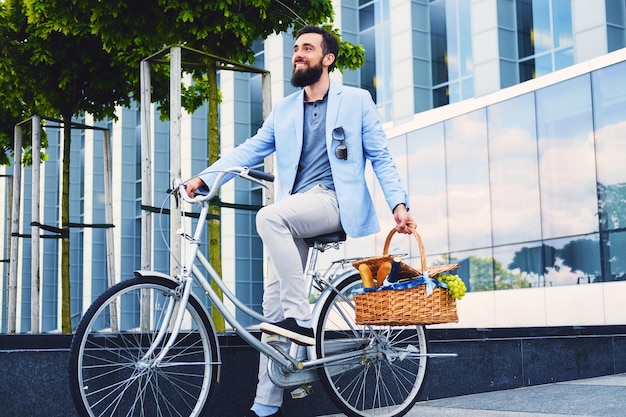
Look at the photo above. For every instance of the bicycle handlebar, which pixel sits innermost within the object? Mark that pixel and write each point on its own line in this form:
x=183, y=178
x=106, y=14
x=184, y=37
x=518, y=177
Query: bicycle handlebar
x=253, y=175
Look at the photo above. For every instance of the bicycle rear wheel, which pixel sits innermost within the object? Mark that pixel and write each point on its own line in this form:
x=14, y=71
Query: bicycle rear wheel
x=384, y=375
x=110, y=373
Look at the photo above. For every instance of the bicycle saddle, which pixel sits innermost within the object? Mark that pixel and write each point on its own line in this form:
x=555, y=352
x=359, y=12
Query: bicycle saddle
x=339, y=236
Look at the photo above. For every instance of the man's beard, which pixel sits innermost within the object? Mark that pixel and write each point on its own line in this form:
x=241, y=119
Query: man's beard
x=306, y=77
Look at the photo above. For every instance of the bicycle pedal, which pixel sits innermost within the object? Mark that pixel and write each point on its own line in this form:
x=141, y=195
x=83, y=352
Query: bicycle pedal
x=302, y=391
x=275, y=339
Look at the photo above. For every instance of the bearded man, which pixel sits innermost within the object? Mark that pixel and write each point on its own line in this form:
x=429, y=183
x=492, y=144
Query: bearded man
x=323, y=135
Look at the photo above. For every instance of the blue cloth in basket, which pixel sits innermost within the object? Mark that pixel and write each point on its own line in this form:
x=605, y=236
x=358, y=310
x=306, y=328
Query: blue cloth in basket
x=405, y=285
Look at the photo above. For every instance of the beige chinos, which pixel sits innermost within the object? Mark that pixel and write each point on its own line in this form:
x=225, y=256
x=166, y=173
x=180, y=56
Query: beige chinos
x=283, y=226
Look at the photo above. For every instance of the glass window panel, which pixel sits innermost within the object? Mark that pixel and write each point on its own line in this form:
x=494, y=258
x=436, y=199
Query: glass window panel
x=427, y=186
x=543, y=65
x=525, y=44
x=465, y=51
x=368, y=70
x=566, y=159
x=513, y=267
x=421, y=73
x=506, y=14
x=420, y=45
x=475, y=269
x=615, y=253
x=366, y=17
x=562, y=24
x=508, y=73
x=438, y=46
x=616, y=38
x=615, y=13
x=467, y=88
x=532, y=261
x=452, y=36
x=419, y=16
x=576, y=261
x=454, y=93
x=440, y=96
x=467, y=173
x=609, y=102
x=514, y=175
x=526, y=70
x=506, y=44
x=563, y=58
x=541, y=31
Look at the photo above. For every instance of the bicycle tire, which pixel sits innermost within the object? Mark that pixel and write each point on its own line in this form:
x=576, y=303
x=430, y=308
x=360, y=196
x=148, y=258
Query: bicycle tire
x=107, y=374
x=386, y=376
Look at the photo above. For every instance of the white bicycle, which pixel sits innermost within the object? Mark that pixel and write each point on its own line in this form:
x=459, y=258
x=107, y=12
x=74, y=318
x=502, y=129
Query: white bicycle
x=147, y=347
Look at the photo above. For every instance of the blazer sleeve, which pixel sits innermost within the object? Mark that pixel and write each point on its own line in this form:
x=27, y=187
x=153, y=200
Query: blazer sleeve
x=249, y=153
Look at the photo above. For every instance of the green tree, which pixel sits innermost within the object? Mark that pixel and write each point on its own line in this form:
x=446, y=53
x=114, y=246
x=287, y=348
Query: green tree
x=56, y=74
x=92, y=47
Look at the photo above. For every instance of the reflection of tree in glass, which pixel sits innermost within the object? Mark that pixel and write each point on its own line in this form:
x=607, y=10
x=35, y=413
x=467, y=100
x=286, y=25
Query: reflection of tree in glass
x=611, y=203
x=487, y=274
x=612, y=216
x=617, y=243
x=534, y=261
x=582, y=255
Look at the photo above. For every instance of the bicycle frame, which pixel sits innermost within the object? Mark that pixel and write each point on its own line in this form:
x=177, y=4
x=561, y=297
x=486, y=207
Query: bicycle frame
x=190, y=271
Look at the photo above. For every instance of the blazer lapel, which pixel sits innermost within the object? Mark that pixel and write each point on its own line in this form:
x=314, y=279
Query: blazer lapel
x=299, y=122
x=332, y=110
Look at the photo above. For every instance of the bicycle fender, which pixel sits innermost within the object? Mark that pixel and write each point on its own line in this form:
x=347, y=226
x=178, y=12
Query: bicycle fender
x=147, y=273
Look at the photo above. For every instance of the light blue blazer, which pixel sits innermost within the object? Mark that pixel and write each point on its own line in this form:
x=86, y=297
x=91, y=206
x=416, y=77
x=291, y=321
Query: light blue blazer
x=349, y=107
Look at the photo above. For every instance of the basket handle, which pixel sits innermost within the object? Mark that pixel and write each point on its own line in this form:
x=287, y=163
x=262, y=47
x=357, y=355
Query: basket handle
x=420, y=245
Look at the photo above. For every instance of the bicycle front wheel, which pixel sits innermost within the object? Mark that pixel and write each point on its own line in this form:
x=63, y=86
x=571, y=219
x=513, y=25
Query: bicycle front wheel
x=382, y=368
x=114, y=368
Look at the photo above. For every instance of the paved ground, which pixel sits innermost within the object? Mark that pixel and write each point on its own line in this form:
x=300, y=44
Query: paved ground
x=603, y=396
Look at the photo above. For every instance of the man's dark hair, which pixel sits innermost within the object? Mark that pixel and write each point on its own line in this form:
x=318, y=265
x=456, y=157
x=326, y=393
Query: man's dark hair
x=330, y=44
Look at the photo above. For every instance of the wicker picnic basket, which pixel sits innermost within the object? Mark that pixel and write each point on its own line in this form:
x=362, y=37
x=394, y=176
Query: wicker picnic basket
x=410, y=306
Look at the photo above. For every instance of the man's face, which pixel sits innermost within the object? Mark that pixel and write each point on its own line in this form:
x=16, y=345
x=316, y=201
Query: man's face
x=307, y=60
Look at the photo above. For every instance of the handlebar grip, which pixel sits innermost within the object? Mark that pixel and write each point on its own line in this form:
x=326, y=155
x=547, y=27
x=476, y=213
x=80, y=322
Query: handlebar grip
x=261, y=175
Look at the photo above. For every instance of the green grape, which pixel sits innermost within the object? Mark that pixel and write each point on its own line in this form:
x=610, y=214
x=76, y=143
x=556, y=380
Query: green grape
x=456, y=286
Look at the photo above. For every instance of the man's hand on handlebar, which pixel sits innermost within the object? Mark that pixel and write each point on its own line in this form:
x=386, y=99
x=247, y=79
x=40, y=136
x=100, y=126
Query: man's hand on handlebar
x=192, y=185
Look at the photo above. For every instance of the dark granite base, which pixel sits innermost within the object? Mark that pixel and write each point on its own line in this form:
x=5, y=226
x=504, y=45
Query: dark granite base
x=33, y=368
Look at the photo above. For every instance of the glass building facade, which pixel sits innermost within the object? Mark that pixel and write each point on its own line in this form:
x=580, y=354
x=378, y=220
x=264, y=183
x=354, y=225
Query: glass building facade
x=506, y=121
x=528, y=191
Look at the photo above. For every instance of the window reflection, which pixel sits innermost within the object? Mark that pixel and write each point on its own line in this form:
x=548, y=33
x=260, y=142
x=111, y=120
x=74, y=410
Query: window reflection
x=451, y=51
x=528, y=192
x=512, y=269
x=545, y=36
x=566, y=159
x=427, y=186
x=615, y=253
x=469, y=215
x=475, y=269
x=576, y=261
x=609, y=98
x=513, y=171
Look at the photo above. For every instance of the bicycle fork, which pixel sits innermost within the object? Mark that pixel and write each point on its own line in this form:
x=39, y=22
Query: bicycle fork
x=177, y=297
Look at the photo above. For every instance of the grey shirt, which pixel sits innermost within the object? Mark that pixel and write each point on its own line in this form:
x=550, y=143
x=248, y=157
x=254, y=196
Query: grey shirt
x=314, y=167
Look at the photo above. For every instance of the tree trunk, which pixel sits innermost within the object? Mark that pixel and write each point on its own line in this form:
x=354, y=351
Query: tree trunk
x=215, y=239
x=66, y=317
